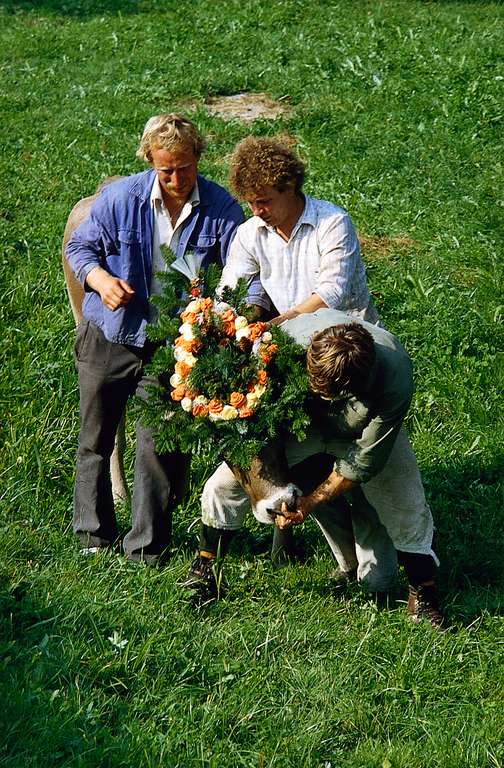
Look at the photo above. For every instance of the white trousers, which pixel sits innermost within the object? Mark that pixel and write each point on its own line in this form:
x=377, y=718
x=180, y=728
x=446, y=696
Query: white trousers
x=387, y=513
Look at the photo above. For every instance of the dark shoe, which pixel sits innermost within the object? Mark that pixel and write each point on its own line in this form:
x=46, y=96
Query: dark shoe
x=423, y=604
x=201, y=580
x=154, y=561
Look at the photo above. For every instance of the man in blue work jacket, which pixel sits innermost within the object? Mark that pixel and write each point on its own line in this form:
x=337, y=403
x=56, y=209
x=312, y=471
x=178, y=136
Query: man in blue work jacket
x=115, y=254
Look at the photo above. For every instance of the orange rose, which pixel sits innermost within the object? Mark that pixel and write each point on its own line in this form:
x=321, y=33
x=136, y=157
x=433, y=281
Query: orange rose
x=228, y=316
x=192, y=346
x=272, y=349
x=200, y=410
x=182, y=368
x=256, y=330
x=178, y=393
x=229, y=329
x=237, y=400
x=206, y=304
x=262, y=377
x=215, y=406
x=189, y=346
x=245, y=413
x=188, y=317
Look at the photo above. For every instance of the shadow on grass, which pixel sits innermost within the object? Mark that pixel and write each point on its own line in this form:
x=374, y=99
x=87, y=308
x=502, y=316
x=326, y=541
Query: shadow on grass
x=74, y=8
x=39, y=725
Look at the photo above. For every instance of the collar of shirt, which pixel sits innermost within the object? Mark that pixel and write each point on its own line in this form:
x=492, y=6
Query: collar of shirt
x=308, y=216
x=157, y=202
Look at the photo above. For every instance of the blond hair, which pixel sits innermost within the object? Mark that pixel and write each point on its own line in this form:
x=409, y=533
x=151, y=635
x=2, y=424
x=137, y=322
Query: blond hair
x=170, y=131
x=262, y=162
x=339, y=359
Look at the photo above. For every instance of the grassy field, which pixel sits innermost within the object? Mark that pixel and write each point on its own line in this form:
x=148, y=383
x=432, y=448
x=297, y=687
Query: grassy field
x=398, y=108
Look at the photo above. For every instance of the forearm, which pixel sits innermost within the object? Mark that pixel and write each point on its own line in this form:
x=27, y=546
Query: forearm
x=96, y=278
x=330, y=488
x=311, y=304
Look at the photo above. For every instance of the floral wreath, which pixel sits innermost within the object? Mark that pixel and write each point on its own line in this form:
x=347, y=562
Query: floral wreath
x=227, y=383
x=198, y=317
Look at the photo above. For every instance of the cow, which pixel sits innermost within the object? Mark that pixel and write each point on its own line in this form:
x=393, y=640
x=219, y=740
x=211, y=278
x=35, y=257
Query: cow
x=78, y=214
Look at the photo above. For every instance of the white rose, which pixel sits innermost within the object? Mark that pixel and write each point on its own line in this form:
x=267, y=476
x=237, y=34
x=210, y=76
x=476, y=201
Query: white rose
x=186, y=404
x=186, y=331
x=176, y=379
x=193, y=306
x=190, y=360
x=252, y=399
x=229, y=412
x=242, y=333
x=180, y=354
x=259, y=390
x=220, y=307
x=241, y=322
x=200, y=400
x=266, y=337
x=215, y=416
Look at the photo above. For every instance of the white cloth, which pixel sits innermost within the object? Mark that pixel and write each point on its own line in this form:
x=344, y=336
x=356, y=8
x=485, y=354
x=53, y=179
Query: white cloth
x=322, y=256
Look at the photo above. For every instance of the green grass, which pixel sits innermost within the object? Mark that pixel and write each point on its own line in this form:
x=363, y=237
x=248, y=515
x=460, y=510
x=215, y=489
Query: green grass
x=398, y=109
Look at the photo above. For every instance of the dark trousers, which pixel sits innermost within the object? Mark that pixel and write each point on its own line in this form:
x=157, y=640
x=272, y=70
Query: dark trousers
x=108, y=375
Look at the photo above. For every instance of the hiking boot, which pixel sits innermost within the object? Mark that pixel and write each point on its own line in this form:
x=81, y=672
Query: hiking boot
x=201, y=580
x=423, y=604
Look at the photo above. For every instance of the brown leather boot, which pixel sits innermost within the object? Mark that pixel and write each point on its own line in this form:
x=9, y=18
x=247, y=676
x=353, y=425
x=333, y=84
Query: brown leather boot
x=423, y=604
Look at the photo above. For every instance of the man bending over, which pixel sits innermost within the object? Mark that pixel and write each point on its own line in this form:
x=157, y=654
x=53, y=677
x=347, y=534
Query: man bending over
x=363, y=377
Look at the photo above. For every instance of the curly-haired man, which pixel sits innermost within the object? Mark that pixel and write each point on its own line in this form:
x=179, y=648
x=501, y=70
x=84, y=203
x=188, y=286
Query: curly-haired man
x=304, y=250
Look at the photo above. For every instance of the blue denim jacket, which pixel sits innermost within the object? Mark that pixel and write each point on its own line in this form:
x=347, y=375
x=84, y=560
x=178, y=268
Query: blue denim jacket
x=118, y=237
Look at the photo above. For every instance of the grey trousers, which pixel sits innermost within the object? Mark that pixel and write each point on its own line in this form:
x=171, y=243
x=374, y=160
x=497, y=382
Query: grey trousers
x=108, y=375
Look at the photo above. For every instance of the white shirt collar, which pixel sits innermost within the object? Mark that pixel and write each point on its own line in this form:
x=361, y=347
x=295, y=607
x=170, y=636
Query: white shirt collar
x=156, y=198
x=308, y=216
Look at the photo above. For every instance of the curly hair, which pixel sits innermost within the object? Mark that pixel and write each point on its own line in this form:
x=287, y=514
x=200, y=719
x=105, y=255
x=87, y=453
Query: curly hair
x=339, y=359
x=261, y=162
x=172, y=132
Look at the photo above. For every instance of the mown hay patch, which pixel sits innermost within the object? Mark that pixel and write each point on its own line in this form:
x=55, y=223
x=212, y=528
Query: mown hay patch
x=247, y=107
x=382, y=247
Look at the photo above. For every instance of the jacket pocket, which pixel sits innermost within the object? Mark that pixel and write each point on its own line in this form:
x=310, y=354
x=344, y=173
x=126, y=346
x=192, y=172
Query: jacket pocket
x=203, y=245
x=128, y=262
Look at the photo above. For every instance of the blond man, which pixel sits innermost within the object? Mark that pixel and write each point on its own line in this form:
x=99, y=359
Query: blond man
x=115, y=254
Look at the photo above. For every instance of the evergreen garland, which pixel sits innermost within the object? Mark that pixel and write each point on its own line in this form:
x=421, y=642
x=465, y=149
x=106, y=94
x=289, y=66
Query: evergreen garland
x=223, y=366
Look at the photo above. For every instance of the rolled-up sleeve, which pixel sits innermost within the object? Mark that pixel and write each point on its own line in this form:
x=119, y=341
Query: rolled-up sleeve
x=368, y=454
x=339, y=256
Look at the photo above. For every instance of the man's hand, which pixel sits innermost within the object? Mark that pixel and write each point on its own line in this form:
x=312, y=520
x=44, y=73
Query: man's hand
x=330, y=488
x=113, y=291
x=287, y=518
